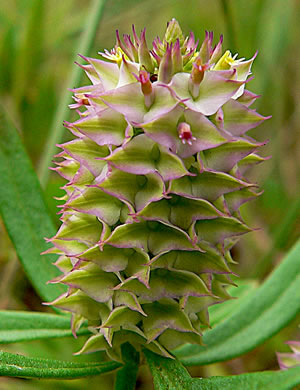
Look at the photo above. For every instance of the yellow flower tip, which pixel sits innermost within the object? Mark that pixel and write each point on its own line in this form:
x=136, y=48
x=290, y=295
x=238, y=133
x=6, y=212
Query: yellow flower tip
x=116, y=55
x=227, y=61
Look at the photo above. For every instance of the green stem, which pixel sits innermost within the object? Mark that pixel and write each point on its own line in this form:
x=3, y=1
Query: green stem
x=62, y=112
x=126, y=376
x=229, y=24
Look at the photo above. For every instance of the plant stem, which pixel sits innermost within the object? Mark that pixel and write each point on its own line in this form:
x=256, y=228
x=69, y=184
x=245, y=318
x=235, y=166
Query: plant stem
x=62, y=112
x=126, y=376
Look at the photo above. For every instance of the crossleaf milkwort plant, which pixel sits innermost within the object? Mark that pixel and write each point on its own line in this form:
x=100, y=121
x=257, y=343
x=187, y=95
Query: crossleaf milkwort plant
x=156, y=176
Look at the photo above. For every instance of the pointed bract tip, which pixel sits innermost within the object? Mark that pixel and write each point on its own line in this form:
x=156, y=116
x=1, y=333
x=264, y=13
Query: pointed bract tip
x=173, y=32
x=87, y=59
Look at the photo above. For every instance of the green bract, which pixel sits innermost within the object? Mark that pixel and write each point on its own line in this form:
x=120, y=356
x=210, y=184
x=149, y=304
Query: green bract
x=155, y=180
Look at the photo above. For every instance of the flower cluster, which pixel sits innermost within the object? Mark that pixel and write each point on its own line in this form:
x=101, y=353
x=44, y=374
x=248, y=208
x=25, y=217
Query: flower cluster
x=155, y=181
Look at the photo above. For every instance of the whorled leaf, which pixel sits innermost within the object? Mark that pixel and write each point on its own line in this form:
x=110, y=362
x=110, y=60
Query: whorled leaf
x=179, y=211
x=151, y=236
x=139, y=190
x=207, y=185
x=216, y=89
x=142, y=156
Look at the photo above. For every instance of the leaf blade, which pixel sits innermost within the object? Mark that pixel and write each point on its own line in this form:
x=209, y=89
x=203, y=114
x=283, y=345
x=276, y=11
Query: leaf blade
x=220, y=312
x=169, y=374
x=21, y=366
x=24, y=212
x=18, y=326
x=268, y=380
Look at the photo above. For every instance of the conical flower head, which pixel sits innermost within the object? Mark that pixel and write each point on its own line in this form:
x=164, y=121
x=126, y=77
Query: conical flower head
x=155, y=181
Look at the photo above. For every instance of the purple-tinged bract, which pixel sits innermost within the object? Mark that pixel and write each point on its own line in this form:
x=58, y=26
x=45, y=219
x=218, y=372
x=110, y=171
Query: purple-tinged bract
x=288, y=360
x=155, y=181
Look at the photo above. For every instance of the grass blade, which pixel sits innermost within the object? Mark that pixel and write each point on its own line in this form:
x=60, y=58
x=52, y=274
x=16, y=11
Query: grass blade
x=24, y=213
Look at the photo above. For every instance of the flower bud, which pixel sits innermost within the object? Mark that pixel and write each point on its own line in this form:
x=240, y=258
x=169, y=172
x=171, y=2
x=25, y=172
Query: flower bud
x=173, y=32
x=146, y=86
x=197, y=76
x=166, y=66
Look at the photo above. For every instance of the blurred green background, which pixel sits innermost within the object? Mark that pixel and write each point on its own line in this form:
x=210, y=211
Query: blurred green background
x=39, y=40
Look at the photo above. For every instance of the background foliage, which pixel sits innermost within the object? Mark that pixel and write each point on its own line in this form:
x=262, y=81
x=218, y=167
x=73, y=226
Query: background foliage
x=39, y=40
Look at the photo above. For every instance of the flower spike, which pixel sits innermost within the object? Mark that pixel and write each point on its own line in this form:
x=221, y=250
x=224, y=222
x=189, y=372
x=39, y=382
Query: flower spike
x=156, y=176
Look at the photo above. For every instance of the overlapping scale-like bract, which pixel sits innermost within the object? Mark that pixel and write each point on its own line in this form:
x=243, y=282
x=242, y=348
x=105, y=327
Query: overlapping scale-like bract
x=155, y=180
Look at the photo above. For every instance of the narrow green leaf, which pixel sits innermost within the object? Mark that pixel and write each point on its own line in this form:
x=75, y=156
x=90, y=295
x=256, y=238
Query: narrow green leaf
x=126, y=376
x=24, y=213
x=268, y=380
x=169, y=374
x=24, y=367
x=263, y=314
x=16, y=326
x=219, y=313
x=62, y=113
